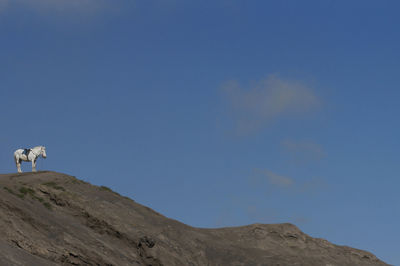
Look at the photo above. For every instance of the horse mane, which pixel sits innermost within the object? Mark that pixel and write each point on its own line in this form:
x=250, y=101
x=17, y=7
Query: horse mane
x=38, y=147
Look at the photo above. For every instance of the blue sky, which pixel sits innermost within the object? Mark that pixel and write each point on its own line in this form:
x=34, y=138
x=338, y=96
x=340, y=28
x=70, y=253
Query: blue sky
x=215, y=113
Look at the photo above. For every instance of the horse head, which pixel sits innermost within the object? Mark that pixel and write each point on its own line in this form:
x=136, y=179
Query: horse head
x=43, y=152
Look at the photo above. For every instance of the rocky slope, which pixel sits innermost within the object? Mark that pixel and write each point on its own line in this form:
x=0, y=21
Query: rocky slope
x=49, y=218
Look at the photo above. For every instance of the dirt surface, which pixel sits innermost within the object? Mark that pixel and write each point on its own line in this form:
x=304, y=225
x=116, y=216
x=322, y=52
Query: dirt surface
x=49, y=218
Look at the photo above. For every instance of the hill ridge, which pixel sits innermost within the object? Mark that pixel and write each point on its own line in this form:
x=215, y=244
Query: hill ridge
x=51, y=218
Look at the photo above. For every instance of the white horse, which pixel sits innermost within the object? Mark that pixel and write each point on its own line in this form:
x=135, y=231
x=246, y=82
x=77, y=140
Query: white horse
x=29, y=155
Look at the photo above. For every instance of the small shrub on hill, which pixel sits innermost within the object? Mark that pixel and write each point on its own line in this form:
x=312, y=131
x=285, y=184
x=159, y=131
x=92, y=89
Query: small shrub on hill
x=54, y=185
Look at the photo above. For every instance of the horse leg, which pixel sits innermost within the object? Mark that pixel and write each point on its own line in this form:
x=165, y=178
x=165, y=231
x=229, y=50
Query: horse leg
x=33, y=165
x=18, y=163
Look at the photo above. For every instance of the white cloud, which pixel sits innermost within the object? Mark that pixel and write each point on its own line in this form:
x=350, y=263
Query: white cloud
x=3, y=5
x=266, y=179
x=303, y=151
x=278, y=180
x=267, y=100
x=262, y=175
x=58, y=6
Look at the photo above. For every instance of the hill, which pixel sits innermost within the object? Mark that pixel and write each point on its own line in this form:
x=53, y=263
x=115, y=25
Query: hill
x=49, y=218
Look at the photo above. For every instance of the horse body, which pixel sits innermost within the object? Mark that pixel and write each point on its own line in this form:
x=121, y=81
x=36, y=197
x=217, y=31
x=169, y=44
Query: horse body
x=31, y=156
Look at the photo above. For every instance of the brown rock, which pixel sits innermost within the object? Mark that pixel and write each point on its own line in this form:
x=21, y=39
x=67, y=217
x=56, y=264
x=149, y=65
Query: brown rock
x=49, y=218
